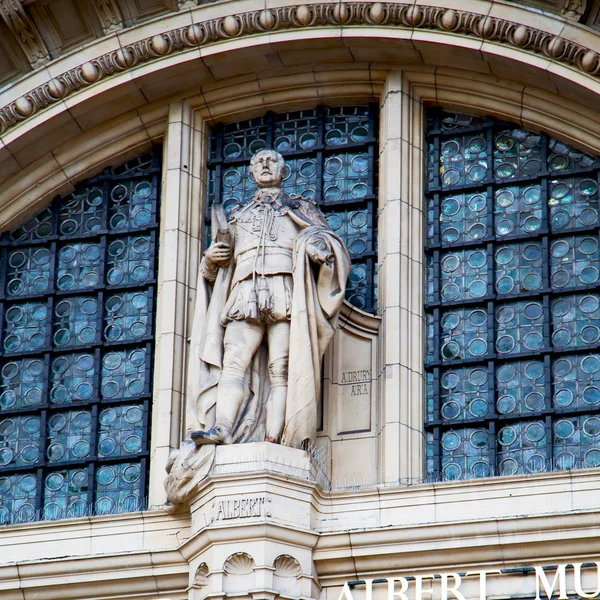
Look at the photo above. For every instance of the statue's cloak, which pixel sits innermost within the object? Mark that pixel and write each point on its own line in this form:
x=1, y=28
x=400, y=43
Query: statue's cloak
x=318, y=293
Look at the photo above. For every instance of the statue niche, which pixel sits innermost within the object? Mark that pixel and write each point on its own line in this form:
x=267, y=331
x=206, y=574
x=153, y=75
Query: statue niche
x=270, y=288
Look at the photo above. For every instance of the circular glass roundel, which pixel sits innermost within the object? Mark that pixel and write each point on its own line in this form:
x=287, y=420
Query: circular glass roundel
x=450, y=148
x=450, y=410
x=563, y=397
x=450, y=380
x=506, y=373
x=507, y=436
x=506, y=404
x=592, y=458
x=505, y=198
x=450, y=206
x=590, y=364
x=534, y=401
x=478, y=377
x=450, y=440
x=504, y=227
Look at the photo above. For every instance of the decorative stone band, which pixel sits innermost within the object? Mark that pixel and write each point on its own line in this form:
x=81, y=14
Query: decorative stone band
x=346, y=14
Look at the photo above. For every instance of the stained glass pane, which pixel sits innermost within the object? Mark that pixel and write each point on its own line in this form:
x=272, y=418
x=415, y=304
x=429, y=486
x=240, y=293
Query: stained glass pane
x=78, y=280
x=516, y=352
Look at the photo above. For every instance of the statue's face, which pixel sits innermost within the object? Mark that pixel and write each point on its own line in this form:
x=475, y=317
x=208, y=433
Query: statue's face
x=267, y=168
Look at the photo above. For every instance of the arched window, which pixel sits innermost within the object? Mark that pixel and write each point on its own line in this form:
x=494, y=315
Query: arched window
x=77, y=293
x=332, y=155
x=512, y=301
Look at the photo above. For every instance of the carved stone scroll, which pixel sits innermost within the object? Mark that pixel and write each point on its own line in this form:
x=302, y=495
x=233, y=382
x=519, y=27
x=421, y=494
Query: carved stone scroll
x=109, y=14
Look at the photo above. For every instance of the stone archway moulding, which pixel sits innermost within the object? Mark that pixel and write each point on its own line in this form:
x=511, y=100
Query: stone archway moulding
x=553, y=37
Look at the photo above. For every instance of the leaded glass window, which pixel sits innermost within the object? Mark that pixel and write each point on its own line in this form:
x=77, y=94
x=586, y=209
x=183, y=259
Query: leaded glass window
x=512, y=301
x=331, y=154
x=77, y=293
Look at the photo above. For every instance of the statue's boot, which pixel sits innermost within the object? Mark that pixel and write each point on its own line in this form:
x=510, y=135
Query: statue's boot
x=215, y=435
x=276, y=413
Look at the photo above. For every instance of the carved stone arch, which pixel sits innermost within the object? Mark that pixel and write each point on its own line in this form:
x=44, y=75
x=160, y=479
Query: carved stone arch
x=201, y=575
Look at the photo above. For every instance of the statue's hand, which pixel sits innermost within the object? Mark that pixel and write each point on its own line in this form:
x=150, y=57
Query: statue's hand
x=319, y=255
x=218, y=253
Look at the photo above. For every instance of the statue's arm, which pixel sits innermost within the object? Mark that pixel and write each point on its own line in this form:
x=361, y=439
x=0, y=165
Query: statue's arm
x=218, y=254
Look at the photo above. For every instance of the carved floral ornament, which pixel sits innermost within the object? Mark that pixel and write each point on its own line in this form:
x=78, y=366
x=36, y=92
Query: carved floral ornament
x=347, y=14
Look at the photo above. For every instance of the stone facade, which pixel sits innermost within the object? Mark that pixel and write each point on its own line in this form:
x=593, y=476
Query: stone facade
x=268, y=521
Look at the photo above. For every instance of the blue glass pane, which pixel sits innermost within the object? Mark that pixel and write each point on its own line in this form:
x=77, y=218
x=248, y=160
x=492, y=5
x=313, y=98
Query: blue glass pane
x=463, y=218
x=25, y=327
x=464, y=394
x=28, y=271
x=576, y=442
x=129, y=260
x=430, y=339
x=346, y=125
x=130, y=205
x=21, y=383
x=519, y=327
x=518, y=210
x=575, y=321
x=17, y=498
x=72, y=378
x=301, y=177
x=354, y=228
x=66, y=494
x=75, y=321
x=517, y=154
x=241, y=140
x=522, y=448
x=118, y=488
x=296, y=131
x=464, y=275
x=81, y=212
x=78, y=266
x=345, y=177
x=464, y=160
x=520, y=387
x=573, y=203
x=37, y=228
x=124, y=373
x=518, y=267
x=69, y=436
x=576, y=381
x=358, y=285
x=563, y=158
x=121, y=430
x=465, y=454
x=464, y=334
x=127, y=316
x=19, y=441
x=574, y=261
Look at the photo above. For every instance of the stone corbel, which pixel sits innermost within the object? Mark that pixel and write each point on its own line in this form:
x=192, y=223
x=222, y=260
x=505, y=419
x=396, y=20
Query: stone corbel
x=574, y=9
x=109, y=14
x=18, y=21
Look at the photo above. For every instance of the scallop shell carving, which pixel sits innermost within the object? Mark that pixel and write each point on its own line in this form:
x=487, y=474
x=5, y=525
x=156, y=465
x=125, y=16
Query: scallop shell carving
x=287, y=566
x=239, y=563
x=201, y=577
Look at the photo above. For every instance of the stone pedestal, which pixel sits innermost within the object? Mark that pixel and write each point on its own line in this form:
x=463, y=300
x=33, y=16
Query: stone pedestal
x=252, y=517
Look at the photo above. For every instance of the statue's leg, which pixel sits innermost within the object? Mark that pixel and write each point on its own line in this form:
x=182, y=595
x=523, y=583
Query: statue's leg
x=242, y=341
x=279, y=351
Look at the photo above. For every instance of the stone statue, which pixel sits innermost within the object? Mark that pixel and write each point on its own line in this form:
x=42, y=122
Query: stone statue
x=278, y=277
x=269, y=291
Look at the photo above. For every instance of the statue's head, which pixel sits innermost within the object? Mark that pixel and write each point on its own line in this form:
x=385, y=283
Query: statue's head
x=268, y=168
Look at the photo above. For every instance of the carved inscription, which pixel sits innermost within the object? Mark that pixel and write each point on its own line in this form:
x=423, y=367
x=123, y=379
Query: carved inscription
x=240, y=508
x=359, y=380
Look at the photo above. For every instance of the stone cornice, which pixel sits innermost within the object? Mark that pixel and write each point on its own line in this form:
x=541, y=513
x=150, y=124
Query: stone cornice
x=330, y=14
